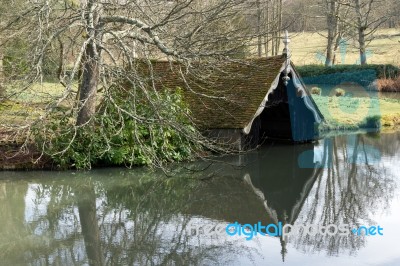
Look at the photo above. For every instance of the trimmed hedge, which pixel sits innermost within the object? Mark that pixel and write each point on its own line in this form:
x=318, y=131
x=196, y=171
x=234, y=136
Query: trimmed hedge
x=381, y=71
x=361, y=77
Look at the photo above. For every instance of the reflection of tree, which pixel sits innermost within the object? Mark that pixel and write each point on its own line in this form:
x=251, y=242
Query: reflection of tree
x=89, y=226
x=388, y=144
x=12, y=211
x=158, y=215
x=347, y=186
x=135, y=219
x=344, y=193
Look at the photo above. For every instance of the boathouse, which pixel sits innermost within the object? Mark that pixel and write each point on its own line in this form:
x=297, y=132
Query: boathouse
x=244, y=102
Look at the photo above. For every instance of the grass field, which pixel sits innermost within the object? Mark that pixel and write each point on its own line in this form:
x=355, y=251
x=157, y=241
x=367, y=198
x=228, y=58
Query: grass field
x=354, y=113
x=309, y=48
x=38, y=92
x=21, y=108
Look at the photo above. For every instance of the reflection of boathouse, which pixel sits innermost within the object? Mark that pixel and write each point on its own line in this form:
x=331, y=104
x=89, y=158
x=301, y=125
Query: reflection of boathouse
x=273, y=189
x=283, y=185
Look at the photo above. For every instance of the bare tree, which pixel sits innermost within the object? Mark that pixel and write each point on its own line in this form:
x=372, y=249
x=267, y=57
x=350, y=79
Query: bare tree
x=332, y=8
x=264, y=19
x=367, y=21
x=105, y=45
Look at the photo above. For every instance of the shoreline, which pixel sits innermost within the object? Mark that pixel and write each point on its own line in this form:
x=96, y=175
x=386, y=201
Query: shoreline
x=12, y=159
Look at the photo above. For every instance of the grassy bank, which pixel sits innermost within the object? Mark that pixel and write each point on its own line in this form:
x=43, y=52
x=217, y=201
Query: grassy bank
x=383, y=57
x=355, y=113
x=382, y=78
x=31, y=104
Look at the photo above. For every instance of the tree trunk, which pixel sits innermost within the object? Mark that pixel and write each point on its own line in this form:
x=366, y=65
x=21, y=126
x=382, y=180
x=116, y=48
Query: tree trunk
x=361, y=41
x=1, y=67
x=266, y=45
x=329, y=50
x=279, y=29
x=60, y=71
x=88, y=87
x=259, y=39
x=332, y=31
x=90, y=66
x=337, y=45
x=1, y=75
x=361, y=33
x=266, y=37
x=273, y=29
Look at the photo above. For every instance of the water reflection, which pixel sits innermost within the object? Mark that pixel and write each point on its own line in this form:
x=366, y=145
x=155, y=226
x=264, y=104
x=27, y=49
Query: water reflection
x=340, y=181
x=86, y=202
x=121, y=217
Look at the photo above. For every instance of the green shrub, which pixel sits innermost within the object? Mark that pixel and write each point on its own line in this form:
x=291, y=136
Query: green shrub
x=152, y=137
x=315, y=91
x=363, y=78
x=371, y=122
x=382, y=71
x=339, y=92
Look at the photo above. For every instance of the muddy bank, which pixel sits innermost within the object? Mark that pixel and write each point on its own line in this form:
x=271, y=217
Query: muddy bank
x=12, y=157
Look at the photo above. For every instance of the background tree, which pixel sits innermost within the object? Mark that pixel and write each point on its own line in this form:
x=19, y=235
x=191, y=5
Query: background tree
x=264, y=18
x=366, y=17
x=333, y=8
x=366, y=24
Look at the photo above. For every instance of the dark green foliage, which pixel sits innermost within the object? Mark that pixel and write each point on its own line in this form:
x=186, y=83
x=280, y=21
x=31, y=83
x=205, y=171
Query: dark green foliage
x=382, y=71
x=362, y=77
x=160, y=133
x=371, y=122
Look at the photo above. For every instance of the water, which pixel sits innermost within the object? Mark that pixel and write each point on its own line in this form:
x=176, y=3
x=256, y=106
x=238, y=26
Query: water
x=140, y=217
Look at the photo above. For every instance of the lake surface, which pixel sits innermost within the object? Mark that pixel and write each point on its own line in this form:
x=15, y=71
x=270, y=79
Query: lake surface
x=141, y=217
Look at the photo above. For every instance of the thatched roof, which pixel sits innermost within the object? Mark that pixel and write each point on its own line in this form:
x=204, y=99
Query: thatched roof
x=225, y=95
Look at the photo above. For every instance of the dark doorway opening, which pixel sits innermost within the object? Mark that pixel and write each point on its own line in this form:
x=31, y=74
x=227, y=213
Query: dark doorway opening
x=285, y=117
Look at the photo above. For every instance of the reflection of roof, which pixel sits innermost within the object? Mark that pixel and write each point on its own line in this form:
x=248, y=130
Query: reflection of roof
x=227, y=96
x=282, y=189
x=227, y=199
x=282, y=215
